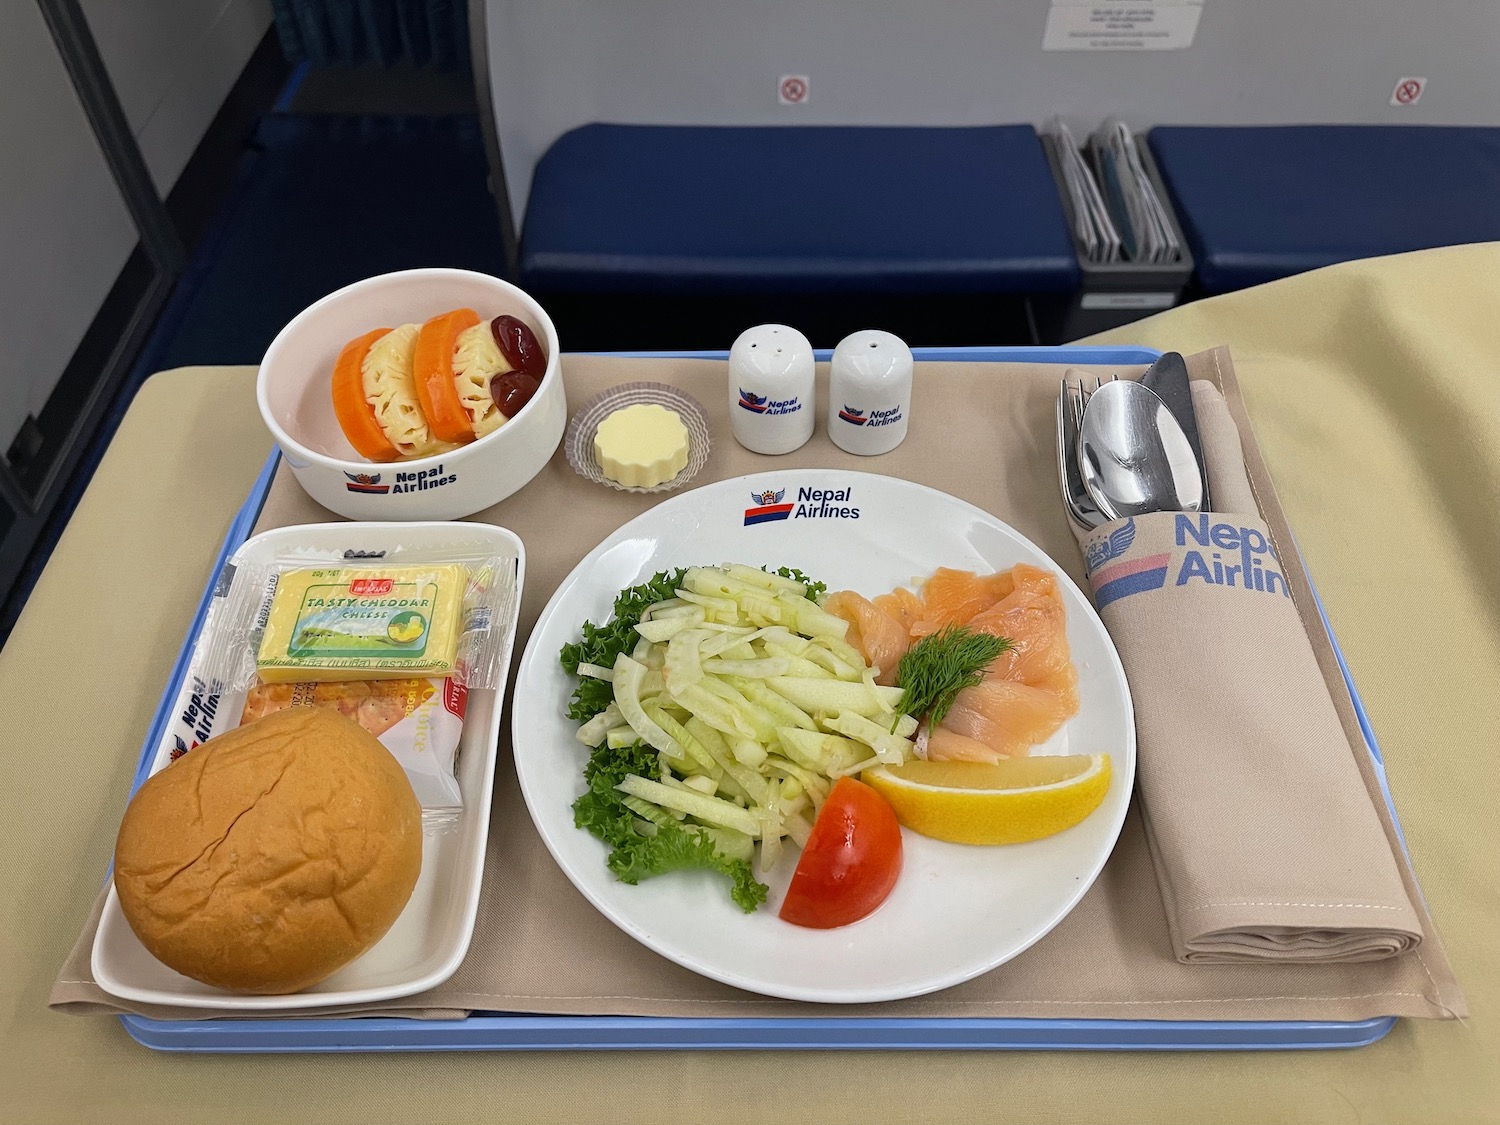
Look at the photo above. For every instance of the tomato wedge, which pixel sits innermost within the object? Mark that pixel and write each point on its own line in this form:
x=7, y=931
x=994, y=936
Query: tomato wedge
x=851, y=860
x=432, y=367
x=350, y=406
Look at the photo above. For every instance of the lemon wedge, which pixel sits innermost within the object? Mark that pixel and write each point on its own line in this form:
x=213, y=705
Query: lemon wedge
x=1007, y=802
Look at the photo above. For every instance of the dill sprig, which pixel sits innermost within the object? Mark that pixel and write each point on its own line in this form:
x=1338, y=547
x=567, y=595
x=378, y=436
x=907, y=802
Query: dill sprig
x=942, y=664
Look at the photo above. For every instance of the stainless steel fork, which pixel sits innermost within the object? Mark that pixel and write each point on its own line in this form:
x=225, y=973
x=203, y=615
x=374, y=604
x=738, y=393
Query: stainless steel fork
x=1088, y=385
x=1072, y=399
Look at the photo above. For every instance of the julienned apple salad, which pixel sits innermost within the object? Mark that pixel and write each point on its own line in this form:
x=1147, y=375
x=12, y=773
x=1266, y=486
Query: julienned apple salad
x=728, y=710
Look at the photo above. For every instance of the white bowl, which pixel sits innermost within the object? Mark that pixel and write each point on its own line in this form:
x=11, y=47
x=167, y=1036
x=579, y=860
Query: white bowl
x=294, y=393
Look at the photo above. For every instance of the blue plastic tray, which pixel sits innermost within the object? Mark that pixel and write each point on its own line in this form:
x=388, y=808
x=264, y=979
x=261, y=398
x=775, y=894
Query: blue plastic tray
x=502, y=1031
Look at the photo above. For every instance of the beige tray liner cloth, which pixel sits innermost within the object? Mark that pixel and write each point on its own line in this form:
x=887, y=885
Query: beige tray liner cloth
x=539, y=947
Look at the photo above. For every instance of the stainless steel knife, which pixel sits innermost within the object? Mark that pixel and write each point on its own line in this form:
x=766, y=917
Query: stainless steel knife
x=1168, y=377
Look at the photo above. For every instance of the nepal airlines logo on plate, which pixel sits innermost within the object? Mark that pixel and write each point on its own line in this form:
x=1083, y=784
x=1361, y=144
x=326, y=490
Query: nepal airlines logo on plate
x=767, y=507
x=811, y=504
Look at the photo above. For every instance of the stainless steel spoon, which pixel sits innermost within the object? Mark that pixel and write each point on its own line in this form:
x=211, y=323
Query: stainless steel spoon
x=1133, y=455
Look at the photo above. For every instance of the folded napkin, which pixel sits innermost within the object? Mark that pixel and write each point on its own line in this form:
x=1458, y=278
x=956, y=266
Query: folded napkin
x=1265, y=841
x=1224, y=459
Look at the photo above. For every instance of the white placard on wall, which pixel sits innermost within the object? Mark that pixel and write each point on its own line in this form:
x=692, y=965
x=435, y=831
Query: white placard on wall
x=1145, y=25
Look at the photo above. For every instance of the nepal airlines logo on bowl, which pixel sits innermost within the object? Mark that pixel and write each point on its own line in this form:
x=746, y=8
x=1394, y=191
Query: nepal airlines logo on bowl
x=420, y=480
x=366, y=482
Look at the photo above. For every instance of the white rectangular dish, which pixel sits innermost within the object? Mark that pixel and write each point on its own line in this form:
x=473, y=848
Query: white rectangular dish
x=431, y=937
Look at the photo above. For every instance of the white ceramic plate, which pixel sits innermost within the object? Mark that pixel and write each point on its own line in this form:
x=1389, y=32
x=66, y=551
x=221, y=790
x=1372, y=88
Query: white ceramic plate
x=957, y=911
x=429, y=939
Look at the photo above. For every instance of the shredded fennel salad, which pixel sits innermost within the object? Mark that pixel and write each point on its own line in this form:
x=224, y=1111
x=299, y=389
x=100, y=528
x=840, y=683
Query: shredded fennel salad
x=720, y=704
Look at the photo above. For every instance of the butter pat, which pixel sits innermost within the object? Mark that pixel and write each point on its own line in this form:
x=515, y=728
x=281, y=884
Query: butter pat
x=364, y=623
x=641, y=446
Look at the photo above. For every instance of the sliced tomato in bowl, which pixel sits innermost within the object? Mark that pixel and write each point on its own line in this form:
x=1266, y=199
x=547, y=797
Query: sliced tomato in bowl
x=851, y=860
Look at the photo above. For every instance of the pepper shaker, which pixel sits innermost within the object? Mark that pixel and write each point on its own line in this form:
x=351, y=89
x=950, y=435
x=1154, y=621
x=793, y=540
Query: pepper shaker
x=869, y=393
x=771, y=389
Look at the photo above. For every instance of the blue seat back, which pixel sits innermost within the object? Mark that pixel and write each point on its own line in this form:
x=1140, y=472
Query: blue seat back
x=687, y=209
x=1263, y=202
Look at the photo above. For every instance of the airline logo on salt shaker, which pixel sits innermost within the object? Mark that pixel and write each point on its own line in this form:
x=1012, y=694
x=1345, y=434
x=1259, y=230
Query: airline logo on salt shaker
x=761, y=404
x=860, y=417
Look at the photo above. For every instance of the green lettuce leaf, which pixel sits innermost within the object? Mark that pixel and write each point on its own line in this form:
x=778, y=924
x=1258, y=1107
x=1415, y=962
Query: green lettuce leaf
x=673, y=848
x=600, y=644
x=676, y=848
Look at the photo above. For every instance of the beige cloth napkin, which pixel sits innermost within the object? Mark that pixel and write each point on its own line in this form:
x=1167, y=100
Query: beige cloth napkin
x=1224, y=458
x=1265, y=841
x=984, y=433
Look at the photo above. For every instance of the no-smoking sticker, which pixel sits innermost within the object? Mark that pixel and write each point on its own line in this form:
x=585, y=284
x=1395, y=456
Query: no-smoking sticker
x=1408, y=91
x=791, y=89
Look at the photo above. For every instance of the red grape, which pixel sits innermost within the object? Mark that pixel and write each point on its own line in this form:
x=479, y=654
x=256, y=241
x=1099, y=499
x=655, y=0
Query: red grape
x=518, y=344
x=513, y=390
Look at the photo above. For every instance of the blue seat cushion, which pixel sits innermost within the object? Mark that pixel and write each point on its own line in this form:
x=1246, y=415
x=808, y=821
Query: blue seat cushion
x=677, y=209
x=1263, y=202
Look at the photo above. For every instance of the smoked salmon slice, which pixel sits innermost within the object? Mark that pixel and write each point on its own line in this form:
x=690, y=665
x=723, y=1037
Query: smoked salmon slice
x=1028, y=692
x=1007, y=716
x=953, y=597
x=1034, y=620
x=903, y=605
x=880, y=637
x=944, y=745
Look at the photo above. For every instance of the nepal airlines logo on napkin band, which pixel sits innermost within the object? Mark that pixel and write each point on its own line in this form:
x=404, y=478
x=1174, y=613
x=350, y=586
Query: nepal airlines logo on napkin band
x=1133, y=576
x=1214, y=554
x=811, y=503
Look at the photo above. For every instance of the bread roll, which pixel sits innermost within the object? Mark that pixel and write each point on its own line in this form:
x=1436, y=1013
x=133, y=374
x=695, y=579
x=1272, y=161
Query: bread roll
x=270, y=857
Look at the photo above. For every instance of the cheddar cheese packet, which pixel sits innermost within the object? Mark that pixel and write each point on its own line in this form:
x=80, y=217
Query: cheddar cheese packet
x=365, y=623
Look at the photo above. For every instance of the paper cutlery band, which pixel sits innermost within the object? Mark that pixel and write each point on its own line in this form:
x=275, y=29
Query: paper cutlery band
x=1228, y=697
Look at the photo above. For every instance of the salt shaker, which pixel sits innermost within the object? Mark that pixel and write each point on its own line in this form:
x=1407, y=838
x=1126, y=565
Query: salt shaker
x=869, y=393
x=771, y=389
